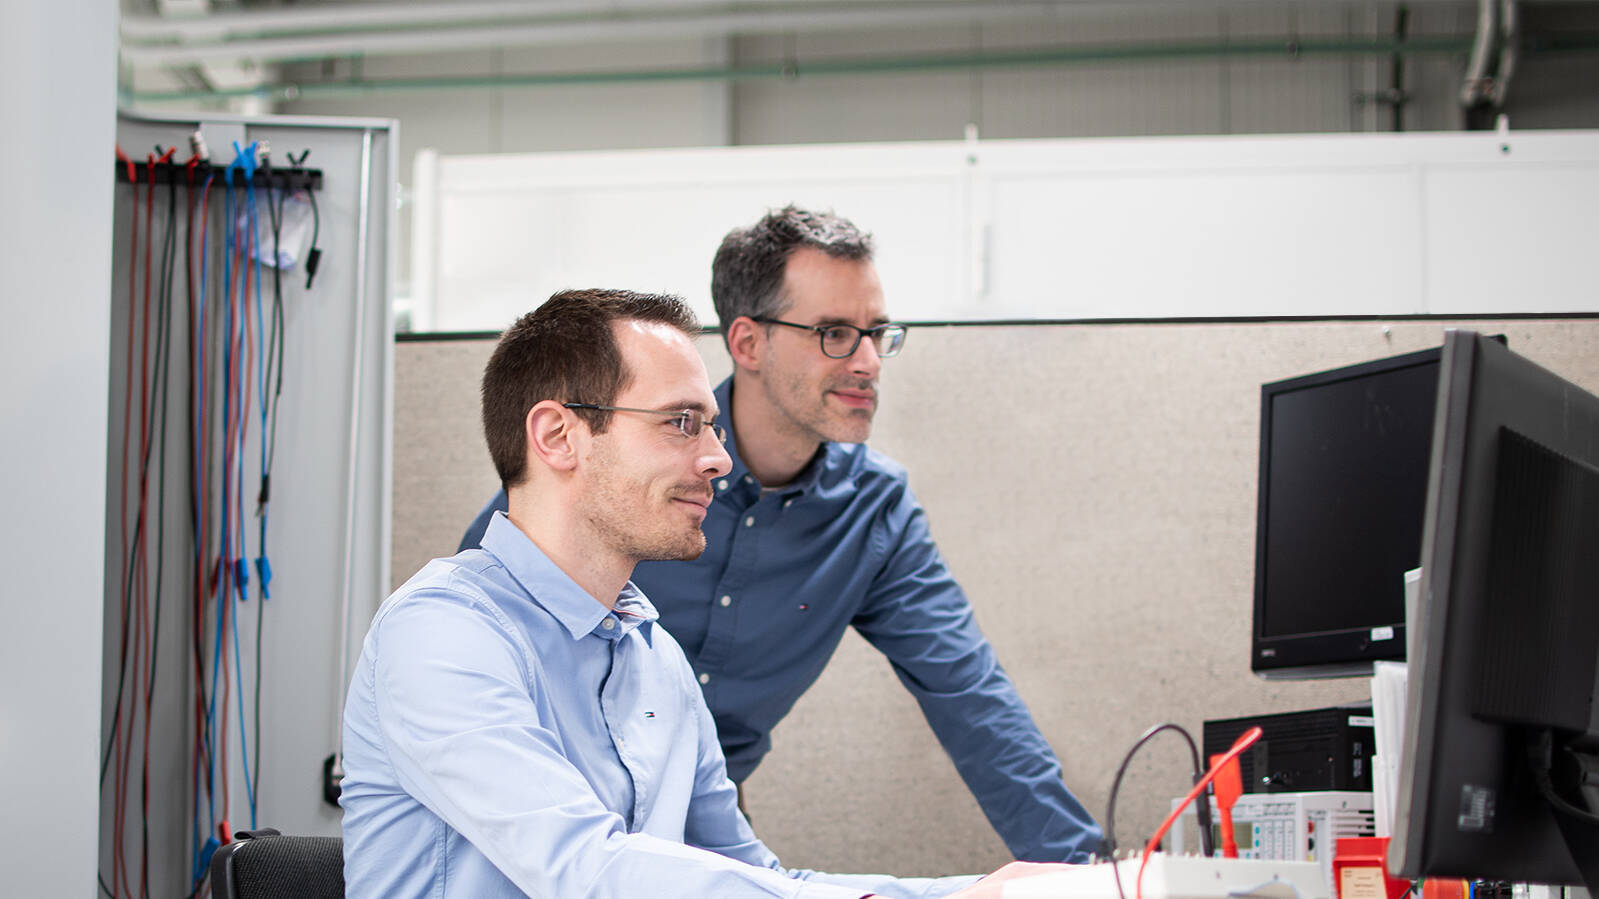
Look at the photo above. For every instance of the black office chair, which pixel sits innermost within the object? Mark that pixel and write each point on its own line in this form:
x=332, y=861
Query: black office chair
x=265, y=864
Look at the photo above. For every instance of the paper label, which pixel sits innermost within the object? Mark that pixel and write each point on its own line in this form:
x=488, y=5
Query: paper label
x=1363, y=882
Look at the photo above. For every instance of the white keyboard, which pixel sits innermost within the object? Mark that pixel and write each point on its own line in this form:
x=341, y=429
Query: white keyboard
x=1179, y=877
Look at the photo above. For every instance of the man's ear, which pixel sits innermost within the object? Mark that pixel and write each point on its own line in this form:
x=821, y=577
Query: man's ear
x=746, y=342
x=550, y=432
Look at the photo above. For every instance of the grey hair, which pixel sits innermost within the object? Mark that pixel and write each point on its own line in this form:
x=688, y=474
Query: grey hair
x=747, y=273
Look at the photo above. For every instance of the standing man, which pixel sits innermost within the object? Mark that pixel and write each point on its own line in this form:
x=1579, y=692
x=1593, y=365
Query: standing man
x=517, y=724
x=811, y=532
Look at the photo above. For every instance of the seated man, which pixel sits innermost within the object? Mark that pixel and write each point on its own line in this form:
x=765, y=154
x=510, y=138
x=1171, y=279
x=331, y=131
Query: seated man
x=813, y=533
x=518, y=723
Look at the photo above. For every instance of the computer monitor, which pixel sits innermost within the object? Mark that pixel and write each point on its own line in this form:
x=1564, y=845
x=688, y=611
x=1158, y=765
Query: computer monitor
x=1505, y=663
x=1343, y=481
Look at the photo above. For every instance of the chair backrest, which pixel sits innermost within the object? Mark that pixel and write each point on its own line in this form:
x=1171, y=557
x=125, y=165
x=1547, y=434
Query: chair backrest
x=265, y=864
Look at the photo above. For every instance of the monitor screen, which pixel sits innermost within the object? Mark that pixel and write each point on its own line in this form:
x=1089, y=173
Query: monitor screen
x=1501, y=728
x=1343, y=479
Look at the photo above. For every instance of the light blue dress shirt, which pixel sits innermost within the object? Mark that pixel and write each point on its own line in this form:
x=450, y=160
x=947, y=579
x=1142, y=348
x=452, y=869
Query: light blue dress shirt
x=785, y=572
x=506, y=734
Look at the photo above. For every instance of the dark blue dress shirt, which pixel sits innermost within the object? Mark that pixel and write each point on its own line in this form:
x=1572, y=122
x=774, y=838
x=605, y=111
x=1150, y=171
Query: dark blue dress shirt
x=786, y=571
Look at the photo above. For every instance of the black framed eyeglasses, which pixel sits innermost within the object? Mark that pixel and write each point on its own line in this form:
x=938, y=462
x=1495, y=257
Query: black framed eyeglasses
x=840, y=340
x=690, y=421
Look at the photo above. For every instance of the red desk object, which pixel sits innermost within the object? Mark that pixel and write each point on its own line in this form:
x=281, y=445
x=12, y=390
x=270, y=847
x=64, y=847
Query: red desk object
x=1360, y=870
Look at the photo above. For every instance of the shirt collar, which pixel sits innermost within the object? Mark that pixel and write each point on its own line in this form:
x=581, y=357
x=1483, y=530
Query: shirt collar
x=554, y=590
x=804, y=482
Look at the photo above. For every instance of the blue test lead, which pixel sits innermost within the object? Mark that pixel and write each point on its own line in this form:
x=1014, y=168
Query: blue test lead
x=241, y=571
x=203, y=865
x=264, y=569
x=244, y=158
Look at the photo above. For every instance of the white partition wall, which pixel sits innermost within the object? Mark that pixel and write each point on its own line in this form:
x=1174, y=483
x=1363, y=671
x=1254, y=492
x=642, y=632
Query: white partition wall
x=58, y=66
x=1119, y=229
x=272, y=705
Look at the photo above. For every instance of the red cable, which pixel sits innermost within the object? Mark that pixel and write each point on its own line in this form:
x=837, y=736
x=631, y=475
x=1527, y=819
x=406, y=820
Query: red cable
x=204, y=581
x=127, y=411
x=1246, y=740
x=137, y=573
x=1228, y=787
x=208, y=584
x=143, y=660
x=196, y=579
x=230, y=424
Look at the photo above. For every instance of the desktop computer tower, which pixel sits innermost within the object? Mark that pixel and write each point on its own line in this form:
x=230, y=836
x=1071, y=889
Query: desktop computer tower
x=1320, y=749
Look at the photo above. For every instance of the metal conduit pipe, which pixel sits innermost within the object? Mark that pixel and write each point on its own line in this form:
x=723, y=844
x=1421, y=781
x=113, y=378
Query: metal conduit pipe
x=346, y=17
x=377, y=17
x=1474, y=87
x=790, y=70
x=547, y=31
x=1509, y=50
x=222, y=26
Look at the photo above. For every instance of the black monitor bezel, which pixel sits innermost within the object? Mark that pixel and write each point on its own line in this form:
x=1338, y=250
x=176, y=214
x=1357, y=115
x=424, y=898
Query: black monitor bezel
x=1348, y=652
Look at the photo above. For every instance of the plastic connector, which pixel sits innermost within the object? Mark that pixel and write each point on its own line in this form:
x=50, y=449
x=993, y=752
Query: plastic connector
x=1229, y=785
x=263, y=569
x=203, y=864
x=244, y=161
x=133, y=172
x=332, y=780
x=311, y=260
x=241, y=574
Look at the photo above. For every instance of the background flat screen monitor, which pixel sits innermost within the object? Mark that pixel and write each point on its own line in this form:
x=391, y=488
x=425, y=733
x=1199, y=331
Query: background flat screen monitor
x=1343, y=480
x=1506, y=656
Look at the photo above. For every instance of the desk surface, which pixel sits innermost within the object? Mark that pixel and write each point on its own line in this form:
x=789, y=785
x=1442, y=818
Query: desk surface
x=1178, y=877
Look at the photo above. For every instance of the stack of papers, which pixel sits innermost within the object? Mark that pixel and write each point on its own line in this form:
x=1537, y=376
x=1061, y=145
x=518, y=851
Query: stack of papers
x=1388, y=684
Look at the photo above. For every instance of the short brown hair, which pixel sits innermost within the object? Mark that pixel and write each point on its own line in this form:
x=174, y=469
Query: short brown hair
x=565, y=351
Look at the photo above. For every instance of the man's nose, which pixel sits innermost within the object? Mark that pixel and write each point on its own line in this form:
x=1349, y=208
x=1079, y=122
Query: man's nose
x=715, y=462
x=865, y=360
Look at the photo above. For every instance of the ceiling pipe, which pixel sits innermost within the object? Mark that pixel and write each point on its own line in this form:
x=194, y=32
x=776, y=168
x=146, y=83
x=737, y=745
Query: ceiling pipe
x=136, y=28
x=1476, y=84
x=343, y=30
x=225, y=28
x=1509, y=50
x=346, y=17
x=574, y=31
x=1454, y=45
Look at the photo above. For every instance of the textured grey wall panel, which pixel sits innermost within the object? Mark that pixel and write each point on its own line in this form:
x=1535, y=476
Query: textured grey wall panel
x=1092, y=487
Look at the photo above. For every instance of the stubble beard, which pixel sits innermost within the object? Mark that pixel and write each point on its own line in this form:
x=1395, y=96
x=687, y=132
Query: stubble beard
x=613, y=523
x=634, y=530
x=808, y=409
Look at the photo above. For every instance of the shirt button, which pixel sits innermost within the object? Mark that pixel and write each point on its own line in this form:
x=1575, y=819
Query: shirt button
x=787, y=503
x=727, y=601
x=722, y=484
x=608, y=623
x=748, y=479
x=705, y=678
x=749, y=522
